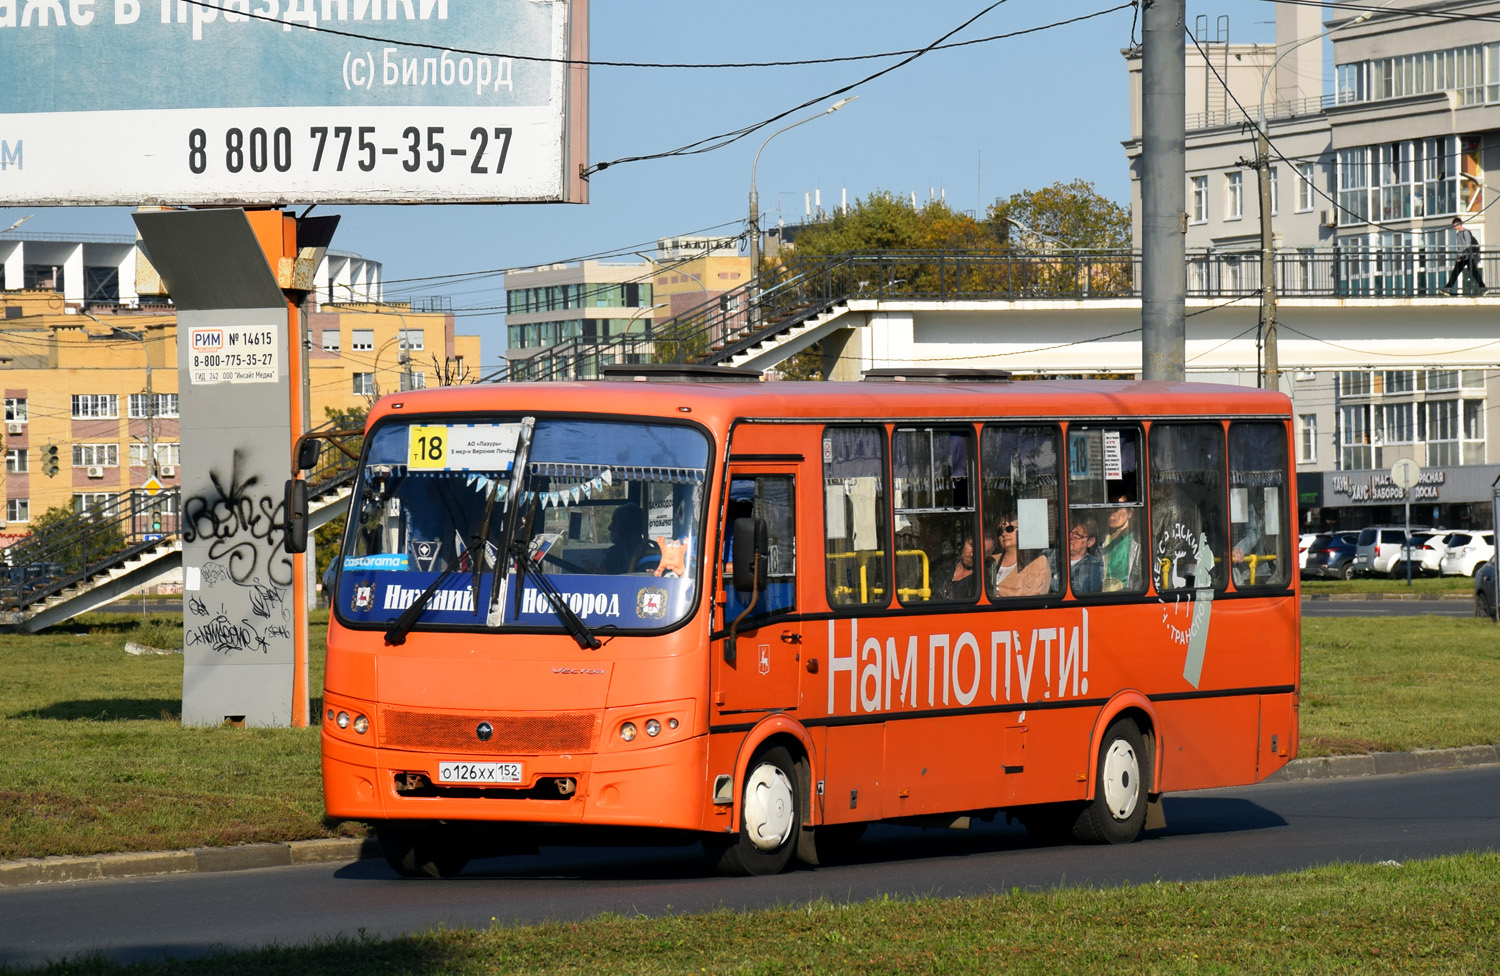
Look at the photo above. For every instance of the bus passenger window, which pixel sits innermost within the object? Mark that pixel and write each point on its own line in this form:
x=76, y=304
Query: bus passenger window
x=1104, y=496
x=854, y=508
x=935, y=515
x=1259, y=538
x=1018, y=469
x=1187, y=507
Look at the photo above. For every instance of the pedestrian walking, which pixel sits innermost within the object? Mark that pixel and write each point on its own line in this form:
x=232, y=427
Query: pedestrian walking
x=1468, y=256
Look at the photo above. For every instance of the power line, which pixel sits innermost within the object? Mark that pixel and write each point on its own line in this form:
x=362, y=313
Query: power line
x=711, y=143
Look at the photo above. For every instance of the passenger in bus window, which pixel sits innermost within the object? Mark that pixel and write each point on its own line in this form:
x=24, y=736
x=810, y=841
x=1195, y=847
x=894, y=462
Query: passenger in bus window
x=1121, y=549
x=1085, y=567
x=1010, y=577
x=957, y=580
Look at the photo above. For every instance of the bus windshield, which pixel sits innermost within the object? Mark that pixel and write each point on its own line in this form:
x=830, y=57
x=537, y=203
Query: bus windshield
x=608, y=516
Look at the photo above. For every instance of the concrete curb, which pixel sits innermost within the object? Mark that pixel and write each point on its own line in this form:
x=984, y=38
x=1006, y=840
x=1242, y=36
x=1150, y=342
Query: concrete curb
x=99, y=867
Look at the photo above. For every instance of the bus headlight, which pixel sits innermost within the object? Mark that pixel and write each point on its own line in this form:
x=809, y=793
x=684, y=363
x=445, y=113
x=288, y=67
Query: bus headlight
x=343, y=720
x=627, y=731
x=653, y=727
x=361, y=724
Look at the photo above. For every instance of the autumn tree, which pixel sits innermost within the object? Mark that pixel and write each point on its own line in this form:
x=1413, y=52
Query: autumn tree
x=1072, y=214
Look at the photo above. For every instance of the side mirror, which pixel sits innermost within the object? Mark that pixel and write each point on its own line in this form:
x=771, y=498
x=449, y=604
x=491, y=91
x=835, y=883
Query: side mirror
x=308, y=450
x=295, y=528
x=752, y=550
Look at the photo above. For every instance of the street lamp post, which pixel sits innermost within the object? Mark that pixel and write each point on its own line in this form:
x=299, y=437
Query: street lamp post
x=755, y=197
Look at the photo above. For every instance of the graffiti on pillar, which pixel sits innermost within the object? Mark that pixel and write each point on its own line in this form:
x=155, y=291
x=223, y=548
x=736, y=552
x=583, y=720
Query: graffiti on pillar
x=243, y=525
x=215, y=627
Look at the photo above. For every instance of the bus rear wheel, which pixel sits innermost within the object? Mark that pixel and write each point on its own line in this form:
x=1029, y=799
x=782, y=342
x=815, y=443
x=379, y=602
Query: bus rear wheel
x=420, y=852
x=1117, y=812
x=770, y=818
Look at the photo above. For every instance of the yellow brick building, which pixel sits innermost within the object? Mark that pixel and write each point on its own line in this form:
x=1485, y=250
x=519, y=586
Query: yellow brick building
x=78, y=380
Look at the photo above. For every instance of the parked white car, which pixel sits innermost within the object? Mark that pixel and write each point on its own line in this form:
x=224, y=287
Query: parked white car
x=1467, y=551
x=1429, y=558
x=1303, y=542
x=1383, y=550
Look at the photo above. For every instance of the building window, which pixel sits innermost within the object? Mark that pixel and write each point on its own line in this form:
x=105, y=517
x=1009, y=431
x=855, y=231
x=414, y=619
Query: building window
x=364, y=384
x=18, y=510
x=1304, y=187
x=87, y=406
x=1200, y=199
x=165, y=454
x=1353, y=186
x=1353, y=383
x=1442, y=433
x=15, y=460
x=1307, y=437
x=330, y=340
x=361, y=340
x=1354, y=438
x=413, y=381
x=411, y=339
x=1350, y=81
x=15, y=410
x=96, y=455
x=1234, y=196
x=1473, y=446
x=166, y=405
x=86, y=500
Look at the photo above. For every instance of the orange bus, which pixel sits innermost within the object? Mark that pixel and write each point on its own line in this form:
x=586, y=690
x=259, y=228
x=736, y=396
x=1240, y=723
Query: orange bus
x=772, y=613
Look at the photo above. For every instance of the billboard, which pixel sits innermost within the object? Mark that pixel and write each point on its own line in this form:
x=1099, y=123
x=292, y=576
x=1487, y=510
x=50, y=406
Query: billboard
x=207, y=102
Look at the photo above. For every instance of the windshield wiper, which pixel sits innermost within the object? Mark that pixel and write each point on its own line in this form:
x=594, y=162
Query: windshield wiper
x=571, y=622
x=481, y=543
x=395, y=635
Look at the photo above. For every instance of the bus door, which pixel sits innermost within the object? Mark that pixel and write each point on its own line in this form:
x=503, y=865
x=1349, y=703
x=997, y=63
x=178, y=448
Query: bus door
x=758, y=669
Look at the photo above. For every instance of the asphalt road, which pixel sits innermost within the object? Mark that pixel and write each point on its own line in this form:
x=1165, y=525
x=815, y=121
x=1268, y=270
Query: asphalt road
x=1387, y=608
x=1264, y=829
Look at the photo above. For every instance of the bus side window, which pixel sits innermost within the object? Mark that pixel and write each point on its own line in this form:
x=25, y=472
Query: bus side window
x=1259, y=538
x=1105, y=500
x=935, y=516
x=773, y=499
x=1188, y=532
x=854, y=516
x=1019, y=475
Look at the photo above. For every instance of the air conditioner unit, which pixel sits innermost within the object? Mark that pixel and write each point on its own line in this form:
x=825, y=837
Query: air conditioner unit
x=1328, y=218
x=96, y=471
x=168, y=471
x=14, y=429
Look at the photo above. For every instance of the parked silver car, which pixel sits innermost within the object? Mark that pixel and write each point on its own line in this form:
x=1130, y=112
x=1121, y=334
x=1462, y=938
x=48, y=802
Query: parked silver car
x=1384, y=548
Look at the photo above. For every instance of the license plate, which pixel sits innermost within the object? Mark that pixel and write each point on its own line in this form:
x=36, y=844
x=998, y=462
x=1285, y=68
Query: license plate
x=479, y=772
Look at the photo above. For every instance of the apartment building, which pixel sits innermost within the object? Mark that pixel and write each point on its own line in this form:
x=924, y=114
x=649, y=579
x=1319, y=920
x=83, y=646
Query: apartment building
x=1367, y=171
x=563, y=306
x=91, y=385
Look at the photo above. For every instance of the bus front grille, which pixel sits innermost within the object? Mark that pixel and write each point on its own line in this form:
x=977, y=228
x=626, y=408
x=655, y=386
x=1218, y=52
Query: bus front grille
x=511, y=735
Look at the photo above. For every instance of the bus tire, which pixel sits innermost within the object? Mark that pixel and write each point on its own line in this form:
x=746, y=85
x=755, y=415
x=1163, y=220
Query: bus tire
x=420, y=852
x=770, y=818
x=1117, y=812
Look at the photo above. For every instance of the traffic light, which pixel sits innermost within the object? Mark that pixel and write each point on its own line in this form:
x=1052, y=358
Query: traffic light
x=155, y=521
x=49, y=461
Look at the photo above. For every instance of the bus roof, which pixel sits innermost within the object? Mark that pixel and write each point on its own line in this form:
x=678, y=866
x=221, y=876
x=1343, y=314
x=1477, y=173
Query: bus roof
x=726, y=402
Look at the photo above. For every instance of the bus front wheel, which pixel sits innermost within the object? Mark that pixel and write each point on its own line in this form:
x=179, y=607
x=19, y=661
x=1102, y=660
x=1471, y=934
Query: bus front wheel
x=1117, y=812
x=420, y=852
x=770, y=818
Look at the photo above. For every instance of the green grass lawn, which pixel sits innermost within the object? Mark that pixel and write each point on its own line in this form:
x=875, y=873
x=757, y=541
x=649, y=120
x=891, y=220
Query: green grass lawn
x=94, y=758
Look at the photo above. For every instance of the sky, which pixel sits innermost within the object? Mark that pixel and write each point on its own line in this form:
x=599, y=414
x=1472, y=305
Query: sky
x=971, y=124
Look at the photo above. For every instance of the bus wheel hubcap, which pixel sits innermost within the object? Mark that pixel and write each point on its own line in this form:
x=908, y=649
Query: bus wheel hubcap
x=1122, y=779
x=769, y=805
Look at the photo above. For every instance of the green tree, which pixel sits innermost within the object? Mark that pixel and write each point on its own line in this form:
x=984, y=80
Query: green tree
x=885, y=222
x=329, y=537
x=1071, y=213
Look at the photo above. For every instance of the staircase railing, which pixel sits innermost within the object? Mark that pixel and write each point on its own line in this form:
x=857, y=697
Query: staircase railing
x=96, y=539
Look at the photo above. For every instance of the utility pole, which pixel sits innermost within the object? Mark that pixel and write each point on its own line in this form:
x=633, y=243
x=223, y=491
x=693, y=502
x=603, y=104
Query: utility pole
x=1163, y=182
x=1270, y=374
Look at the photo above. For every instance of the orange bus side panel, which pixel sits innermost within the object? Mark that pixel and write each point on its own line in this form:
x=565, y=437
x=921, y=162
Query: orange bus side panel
x=1208, y=742
x=853, y=775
